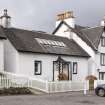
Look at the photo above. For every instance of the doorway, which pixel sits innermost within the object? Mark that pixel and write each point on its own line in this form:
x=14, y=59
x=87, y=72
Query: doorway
x=91, y=84
x=91, y=79
x=61, y=70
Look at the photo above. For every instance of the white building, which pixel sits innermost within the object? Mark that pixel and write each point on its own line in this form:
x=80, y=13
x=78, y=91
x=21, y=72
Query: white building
x=71, y=53
x=92, y=40
x=41, y=55
x=38, y=55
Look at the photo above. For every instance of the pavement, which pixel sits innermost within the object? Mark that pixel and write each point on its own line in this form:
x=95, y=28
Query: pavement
x=68, y=98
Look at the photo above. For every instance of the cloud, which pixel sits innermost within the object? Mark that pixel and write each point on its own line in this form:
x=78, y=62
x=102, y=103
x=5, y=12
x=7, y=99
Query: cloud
x=41, y=14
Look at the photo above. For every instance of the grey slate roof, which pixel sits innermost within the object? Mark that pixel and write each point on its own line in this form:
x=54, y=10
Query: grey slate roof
x=90, y=35
x=78, y=27
x=24, y=41
x=2, y=35
x=93, y=35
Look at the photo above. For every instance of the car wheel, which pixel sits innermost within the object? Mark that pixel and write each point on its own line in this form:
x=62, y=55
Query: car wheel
x=101, y=92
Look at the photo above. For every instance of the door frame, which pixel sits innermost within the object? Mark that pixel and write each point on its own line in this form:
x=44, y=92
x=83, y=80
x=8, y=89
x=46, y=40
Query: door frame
x=69, y=70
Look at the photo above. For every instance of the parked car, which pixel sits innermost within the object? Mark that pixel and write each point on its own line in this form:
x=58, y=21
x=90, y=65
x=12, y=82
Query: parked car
x=100, y=90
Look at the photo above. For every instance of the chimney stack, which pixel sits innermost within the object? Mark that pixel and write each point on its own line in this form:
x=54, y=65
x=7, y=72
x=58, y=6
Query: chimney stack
x=5, y=19
x=67, y=17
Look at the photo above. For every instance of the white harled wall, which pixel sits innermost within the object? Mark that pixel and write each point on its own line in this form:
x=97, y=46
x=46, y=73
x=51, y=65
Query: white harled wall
x=63, y=31
x=11, y=57
x=69, y=21
x=26, y=62
x=100, y=50
x=23, y=63
x=1, y=55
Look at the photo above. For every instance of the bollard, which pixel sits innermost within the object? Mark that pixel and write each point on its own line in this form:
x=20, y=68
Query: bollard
x=85, y=87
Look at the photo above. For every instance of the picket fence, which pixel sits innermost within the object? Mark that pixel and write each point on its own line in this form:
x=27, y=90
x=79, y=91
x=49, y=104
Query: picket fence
x=8, y=80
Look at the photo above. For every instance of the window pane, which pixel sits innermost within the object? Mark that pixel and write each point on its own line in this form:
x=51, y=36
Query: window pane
x=37, y=67
x=75, y=68
x=102, y=75
x=103, y=41
x=102, y=59
x=51, y=42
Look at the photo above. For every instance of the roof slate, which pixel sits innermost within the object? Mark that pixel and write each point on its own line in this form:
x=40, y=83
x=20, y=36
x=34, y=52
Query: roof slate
x=24, y=41
x=90, y=35
x=2, y=34
x=93, y=35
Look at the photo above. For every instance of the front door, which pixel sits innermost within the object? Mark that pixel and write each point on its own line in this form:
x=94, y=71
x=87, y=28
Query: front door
x=61, y=71
x=91, y=84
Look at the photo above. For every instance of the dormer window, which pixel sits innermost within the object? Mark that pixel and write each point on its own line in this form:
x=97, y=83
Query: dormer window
x=103, y=41
x=51, y=42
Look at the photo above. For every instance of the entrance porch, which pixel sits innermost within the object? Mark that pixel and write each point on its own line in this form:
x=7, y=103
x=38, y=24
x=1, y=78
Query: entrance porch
x=62, y=70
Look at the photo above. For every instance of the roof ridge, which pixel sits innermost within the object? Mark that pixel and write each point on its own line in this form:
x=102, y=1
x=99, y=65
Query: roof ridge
x=38, y=32
x=91, y=27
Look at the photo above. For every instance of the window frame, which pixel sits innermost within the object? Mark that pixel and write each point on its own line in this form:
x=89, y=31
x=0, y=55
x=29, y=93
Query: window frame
x=69, y=70
x=103, y=75
x=75, y=63
x=103, y=41
x=40, y=72
x=101, y=58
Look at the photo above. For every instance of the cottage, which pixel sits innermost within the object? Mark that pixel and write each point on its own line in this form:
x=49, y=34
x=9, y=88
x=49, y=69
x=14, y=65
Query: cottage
x=43, y=56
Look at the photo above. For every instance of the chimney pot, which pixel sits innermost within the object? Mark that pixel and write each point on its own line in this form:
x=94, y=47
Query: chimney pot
x=5, y=19
x=65, y=15
x=68, y=17
x=5, y=12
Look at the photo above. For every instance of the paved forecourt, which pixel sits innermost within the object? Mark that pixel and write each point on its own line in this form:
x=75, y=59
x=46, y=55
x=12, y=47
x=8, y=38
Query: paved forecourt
x=70, y=98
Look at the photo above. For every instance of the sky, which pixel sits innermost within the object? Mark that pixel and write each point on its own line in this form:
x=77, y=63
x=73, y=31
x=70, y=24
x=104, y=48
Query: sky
x=40, y=15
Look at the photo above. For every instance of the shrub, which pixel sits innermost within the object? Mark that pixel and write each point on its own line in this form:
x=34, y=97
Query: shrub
x=15, y=91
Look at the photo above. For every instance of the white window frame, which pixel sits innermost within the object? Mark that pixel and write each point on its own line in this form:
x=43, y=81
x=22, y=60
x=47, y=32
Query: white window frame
x=101, y=75
x=102, y=59
x=103, y=41
x=37, y=67
x=75, y=68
